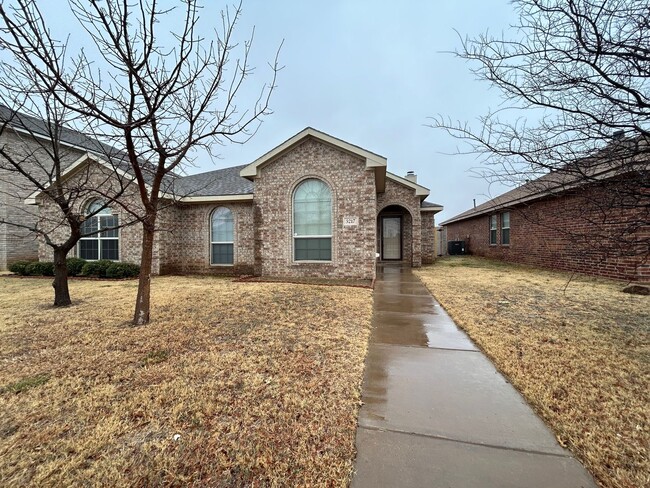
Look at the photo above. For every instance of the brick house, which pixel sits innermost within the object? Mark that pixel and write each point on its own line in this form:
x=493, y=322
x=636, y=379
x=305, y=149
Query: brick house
x=556, y=223
x=314, y=206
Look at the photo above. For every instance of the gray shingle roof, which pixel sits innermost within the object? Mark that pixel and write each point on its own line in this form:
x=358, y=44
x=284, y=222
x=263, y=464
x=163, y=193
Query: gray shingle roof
x=36, y=126
x=426, y=204
x=213, y=183
x=618, y=158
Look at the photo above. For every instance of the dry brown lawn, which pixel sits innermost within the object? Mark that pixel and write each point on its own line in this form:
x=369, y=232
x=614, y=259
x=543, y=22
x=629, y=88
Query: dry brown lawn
x=581, y=357
x=232, y=384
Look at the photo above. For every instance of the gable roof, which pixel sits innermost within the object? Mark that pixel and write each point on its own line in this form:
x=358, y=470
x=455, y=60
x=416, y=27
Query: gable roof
x=614, y=160
x=420, y=191
x=373, y=160
x=236, y=182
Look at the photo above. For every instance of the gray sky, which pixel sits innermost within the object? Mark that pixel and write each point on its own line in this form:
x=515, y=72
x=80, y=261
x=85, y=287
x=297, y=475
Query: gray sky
x=369, y=72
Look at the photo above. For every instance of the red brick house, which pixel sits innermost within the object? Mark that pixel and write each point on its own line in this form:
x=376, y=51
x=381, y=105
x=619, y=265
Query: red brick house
x=313, y=206
x=597, y=225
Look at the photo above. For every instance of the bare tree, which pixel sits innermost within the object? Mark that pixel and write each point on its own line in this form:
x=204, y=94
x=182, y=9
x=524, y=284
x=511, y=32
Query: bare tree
x=575, y=81
x=158, y=103
x=34, y=155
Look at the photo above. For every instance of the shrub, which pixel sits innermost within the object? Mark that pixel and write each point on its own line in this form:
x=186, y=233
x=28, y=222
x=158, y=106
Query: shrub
x=122, y=270
x=75, y=265
x=19, y=267
x=40, y=268
x=96, y=269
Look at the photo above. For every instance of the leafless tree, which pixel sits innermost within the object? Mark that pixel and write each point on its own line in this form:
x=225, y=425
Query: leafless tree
x=34, y=154
x=574, y=76
x=158, y=97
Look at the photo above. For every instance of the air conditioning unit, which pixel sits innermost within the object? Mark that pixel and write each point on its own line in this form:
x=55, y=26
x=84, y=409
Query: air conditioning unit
x=455, y=248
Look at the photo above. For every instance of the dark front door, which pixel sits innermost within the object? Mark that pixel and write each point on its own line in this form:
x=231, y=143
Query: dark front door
x=391, y=238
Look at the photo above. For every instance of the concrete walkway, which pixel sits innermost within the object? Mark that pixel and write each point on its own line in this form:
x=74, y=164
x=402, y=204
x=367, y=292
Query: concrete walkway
x=437, y=413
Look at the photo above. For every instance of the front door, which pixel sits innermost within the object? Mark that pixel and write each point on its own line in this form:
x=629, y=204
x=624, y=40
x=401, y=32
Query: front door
x=391, y=238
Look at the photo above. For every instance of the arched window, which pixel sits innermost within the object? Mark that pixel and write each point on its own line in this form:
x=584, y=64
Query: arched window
x=99, y=234
x=221, y=237
x=312, y=221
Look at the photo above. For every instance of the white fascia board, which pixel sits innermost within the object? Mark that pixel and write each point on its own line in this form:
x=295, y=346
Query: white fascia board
x=213, y=198
x=432, y=209
x=372, y=160
x=420, y=191
x=81, y=161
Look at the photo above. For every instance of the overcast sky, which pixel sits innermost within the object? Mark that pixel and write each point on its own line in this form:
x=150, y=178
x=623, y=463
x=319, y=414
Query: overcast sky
x=370, y=72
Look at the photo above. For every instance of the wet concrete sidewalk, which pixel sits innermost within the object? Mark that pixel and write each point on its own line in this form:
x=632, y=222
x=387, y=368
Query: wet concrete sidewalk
x=437, y=413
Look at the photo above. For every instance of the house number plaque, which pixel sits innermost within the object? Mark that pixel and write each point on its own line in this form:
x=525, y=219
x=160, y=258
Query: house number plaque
x=350, y=221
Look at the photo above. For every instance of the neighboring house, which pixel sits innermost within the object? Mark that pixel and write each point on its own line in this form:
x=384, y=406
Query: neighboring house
x=595, y=224
x=27, y=138
x=315, y=206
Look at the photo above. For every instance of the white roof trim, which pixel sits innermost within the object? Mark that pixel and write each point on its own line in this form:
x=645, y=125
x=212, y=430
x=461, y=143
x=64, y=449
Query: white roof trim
x=420, y=191
x=372, y=160
x=432, y=209
x=216, y=198
x=83, y=159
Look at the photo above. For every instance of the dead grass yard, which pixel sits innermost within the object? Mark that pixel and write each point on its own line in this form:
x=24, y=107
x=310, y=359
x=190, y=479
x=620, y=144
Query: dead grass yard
x=581, y=358
x=260, y=381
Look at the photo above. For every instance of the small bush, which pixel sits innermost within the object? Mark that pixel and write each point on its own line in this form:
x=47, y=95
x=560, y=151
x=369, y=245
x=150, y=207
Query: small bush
x=96, y=269
x=40, y=268
x=122, y=270
x=19, y=267
x=75, y=265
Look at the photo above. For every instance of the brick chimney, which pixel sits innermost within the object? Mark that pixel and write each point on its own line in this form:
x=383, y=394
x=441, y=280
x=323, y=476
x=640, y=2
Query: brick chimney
x=411, y=176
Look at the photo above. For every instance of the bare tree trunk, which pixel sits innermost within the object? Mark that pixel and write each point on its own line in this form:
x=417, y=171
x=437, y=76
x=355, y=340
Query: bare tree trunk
x=143, y=300
x=60, y=283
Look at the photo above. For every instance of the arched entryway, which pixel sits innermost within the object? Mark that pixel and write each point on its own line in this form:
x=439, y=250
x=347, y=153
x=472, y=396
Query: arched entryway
x=394, y=234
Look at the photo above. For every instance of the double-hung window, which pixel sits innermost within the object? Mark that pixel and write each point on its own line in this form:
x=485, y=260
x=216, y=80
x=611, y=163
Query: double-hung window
x=505, y=228
x=222, y=237
x=99, y=234
x=493, y=229
x=312, y=221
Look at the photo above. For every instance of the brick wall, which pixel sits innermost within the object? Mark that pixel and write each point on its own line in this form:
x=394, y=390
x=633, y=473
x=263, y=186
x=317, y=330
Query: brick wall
x=404, y=196
x=548, y=232
x=263, y=227
x=428, y=234
x=185, y=239
x=353, y=194
x=17, y=243
x=103, y=181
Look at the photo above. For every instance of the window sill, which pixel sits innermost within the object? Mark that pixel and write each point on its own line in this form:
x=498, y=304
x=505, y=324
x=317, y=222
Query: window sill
x=222, y=265
x=298, y=263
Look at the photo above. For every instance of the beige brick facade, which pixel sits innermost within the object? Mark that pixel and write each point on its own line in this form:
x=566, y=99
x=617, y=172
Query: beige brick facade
x=353, y=195
x=397, y=194
x=263, y=218
x=16, y=242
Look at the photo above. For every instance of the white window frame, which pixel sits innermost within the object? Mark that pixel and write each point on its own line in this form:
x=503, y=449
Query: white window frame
x=503, y=227
x=494, y=227
x=232, y=243
x=98, y=235
x=296, y=236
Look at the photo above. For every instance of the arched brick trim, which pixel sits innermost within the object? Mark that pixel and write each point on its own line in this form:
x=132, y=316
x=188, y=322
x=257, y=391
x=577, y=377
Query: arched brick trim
x=396, y=203
x=416, y=231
